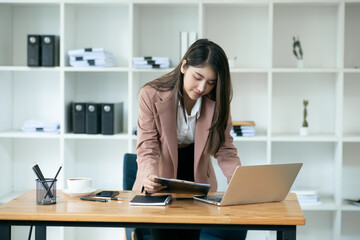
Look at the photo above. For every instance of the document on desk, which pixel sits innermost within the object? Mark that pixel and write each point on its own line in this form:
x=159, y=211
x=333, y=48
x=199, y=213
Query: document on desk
x=142, y=200
x=182, y=186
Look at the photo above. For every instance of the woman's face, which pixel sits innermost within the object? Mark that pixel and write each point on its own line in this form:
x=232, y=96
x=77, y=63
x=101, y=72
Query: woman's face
x=198, y=81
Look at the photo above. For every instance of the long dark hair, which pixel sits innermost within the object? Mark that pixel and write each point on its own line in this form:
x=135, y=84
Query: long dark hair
x=201, y=53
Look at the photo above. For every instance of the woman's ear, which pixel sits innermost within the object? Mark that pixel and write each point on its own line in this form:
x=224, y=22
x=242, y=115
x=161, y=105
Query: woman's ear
x=183, y=66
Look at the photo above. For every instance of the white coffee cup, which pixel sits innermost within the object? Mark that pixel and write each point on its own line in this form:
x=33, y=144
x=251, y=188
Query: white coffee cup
x=79, y=184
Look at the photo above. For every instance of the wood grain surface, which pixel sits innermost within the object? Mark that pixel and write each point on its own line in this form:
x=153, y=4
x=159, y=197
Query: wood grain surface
x=181, y=210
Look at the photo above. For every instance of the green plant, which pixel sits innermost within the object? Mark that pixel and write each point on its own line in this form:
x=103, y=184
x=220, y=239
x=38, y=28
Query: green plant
x=305, y=123
x=297, y=48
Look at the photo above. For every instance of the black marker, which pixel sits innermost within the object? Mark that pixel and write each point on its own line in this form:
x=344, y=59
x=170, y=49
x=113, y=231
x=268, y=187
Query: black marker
x=94, y=199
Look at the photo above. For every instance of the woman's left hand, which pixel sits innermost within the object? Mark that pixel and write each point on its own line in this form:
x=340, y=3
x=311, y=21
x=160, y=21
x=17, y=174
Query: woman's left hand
x=150, y=186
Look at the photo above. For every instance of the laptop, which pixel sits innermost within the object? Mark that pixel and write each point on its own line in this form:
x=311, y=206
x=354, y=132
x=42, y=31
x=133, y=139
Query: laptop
x=256, y=184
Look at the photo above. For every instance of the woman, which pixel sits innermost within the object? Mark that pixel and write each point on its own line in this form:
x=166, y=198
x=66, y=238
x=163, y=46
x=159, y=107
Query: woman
x=184, y=118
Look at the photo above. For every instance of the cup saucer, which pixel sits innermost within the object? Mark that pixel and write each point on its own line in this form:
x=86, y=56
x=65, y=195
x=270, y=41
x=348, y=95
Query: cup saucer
x=80, y=194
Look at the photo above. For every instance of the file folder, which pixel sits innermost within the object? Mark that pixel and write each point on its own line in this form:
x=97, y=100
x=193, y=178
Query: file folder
x=111, y=118
x=92, y=118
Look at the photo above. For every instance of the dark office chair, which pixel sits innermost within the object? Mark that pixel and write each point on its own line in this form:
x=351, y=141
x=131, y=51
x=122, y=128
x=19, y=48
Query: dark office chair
x=129, y=176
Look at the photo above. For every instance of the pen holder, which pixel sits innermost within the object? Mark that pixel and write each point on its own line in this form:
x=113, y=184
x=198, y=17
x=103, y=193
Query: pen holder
x=46, y=191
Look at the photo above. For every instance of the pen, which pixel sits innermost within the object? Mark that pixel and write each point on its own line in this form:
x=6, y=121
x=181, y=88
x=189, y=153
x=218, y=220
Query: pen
x=110, y=198
x=94, y=199
x=49, y=190
x=40, y=176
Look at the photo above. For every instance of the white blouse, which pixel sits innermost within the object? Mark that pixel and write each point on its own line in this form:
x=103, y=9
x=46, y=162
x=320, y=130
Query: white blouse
x=186, y=129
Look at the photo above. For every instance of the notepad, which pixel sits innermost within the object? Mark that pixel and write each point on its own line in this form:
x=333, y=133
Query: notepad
x=151, y=200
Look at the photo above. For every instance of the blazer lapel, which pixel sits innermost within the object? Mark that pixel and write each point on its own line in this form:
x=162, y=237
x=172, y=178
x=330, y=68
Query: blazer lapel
x=202, y=128
x=166, y=111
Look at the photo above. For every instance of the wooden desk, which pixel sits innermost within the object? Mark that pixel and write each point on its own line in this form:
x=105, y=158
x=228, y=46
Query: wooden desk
x=282, y=217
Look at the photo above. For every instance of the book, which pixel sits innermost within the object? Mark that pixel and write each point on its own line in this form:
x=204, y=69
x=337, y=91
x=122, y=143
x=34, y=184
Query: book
x=143, y=200
x=182, y=186
x=192, y=37
x=151, y=65
x=84, y=50
x=354, y=201
x=92, y=62
x=307, y=196
x=243, y=123
x=162, y=59
x=184, y=41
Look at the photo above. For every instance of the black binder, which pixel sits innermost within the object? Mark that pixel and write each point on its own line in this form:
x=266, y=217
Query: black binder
x=78, y=117
x=33, y=50
x=49, y=50
x=111, y=118
x=92, y=121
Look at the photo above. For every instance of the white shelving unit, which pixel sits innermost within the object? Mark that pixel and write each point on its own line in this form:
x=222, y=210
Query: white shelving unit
x=268, y=88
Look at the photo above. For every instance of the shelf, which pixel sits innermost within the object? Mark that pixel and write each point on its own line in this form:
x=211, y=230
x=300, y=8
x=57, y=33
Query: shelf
x=96, y=69
x=249, y=43
x=351, y=102
x=352, y=35
x=315, y=24
x=25, y=68
x=351, y=138
x=120, y=136
x=318, y=168
x=305, y=70
x=18, y=134
x=154, y=70
x=310, y=138
x=19, y=19
x=327, y=204
x=108, y=29
x=268, y=88
x=350, y=230
x=9, y=197
x=251, y=139
x=249, y=70
x=349, y=207
x=352, y=70
x=289, y=90
x=153, y=20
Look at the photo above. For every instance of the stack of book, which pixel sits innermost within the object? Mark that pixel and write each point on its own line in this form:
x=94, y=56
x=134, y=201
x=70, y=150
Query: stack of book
x=40, y=126
x=307, y=197
x=243, y=129
x=151, y=62
x=91, y=57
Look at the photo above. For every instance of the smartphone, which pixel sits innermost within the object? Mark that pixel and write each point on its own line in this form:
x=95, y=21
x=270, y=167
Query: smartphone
x=106, y=194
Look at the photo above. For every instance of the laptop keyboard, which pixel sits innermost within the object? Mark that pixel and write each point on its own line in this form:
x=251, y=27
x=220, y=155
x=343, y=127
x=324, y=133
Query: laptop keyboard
x=215, y=198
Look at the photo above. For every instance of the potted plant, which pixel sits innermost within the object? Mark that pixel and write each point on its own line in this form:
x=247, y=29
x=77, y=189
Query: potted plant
x=304, y=130
x=298, y=52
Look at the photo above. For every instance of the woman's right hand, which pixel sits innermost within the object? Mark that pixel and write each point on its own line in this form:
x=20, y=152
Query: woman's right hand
x=150, y=186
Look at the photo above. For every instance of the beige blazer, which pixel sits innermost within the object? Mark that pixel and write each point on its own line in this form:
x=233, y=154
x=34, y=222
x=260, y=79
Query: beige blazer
x=157, y=150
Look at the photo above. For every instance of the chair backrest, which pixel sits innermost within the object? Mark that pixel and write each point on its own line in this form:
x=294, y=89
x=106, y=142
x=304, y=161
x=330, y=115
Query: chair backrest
x=129, y=171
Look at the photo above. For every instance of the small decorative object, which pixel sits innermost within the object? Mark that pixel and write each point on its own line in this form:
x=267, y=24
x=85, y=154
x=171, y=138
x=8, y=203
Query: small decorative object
x=304, y=130
x=232, y=62
x=298, y=52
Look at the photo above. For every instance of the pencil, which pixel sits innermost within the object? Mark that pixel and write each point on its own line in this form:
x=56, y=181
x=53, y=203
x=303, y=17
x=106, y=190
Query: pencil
x=40, y=176
x=49, y=190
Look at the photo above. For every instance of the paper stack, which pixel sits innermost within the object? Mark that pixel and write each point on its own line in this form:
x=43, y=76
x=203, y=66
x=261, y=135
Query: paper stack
x=151, y=62
x=307, y=197
x=91, y=57
x=40, y=126
x=243, y=129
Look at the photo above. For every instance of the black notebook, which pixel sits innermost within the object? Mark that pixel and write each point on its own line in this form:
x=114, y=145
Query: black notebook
x=151, y=200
